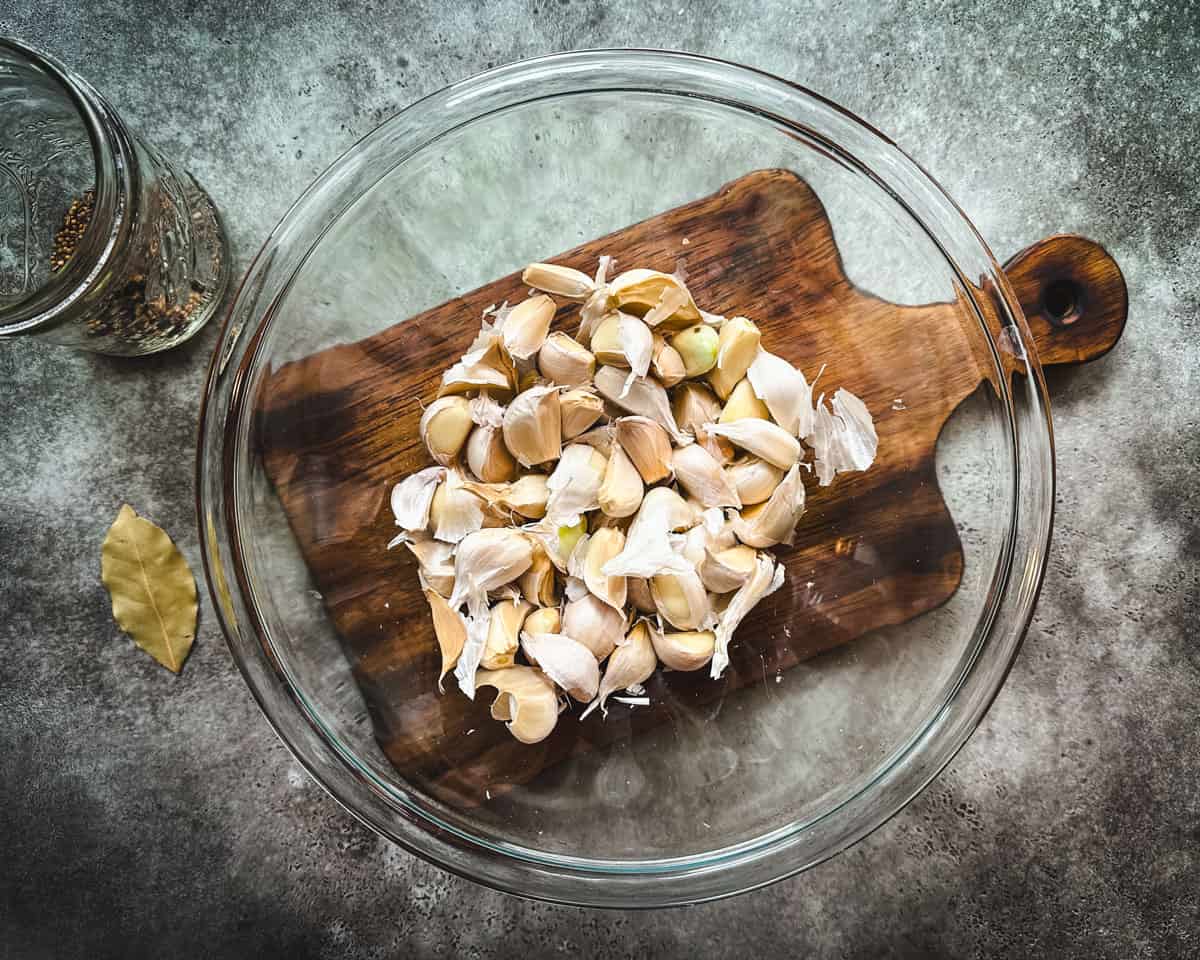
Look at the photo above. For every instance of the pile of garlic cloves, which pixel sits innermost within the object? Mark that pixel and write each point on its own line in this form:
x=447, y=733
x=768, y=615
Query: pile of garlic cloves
x=603, y=503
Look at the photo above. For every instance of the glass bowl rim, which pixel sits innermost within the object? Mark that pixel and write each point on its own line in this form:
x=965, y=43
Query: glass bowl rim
x=743, y=866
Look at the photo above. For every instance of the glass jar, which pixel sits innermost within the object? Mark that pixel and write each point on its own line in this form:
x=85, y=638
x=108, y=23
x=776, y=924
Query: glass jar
x=104, y=244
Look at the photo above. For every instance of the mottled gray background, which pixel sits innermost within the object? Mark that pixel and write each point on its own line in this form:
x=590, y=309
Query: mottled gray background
x=144, y=815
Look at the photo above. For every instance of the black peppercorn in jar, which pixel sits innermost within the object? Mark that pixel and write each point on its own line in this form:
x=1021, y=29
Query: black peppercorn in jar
x=104, y=244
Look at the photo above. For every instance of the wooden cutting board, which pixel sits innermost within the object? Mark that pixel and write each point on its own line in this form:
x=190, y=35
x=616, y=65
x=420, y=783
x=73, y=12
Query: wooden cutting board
x=338, y=428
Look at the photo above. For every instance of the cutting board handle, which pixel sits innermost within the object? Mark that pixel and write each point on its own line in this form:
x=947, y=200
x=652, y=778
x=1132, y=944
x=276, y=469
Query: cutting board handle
x=1073, y=296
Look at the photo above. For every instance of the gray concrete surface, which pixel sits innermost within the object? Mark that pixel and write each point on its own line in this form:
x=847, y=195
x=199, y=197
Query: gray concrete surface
x=143, y=815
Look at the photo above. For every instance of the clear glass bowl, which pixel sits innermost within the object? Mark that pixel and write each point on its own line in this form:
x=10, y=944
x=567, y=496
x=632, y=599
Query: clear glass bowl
x=516, y=165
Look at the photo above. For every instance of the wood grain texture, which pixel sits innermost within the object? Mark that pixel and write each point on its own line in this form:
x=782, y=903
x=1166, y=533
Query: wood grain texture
x=337, y=429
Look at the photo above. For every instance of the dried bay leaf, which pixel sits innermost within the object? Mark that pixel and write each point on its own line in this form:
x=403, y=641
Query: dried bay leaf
x=152, y=588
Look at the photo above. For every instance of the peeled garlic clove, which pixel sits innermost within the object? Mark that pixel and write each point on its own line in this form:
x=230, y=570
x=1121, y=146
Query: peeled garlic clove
x=603, y=545
x=526, y=699
x=525, y=327
x=412, y=497
x=693, y=405
x=765, y=580
x=560, y=281
x=454, y=512
x=718, y=448
x=702, y=477
x=638, y=592
x=538, y=583
x=744, y=404
x=697, y=347
x=595, y=624
x=645, y=397
x=563, y=360
x=485, y=560
x=606, y=341
x=738, y=342
x=784, y=390
x=450, y=630
x=680, y=599
x=726, y=570
x=533, y=426
x=486, y=367
x=666, y=363
x=754, y=479
x=689, y=650
x=565, y=661
x=762, y=438
x=575, y=484
x=647, y=445
x=488, y=457
x=632, y=662
x=444, y=427
x=580, y=409
x=544, y=620
x=621, y=492
x=652, y=292
x=504, y=633
x=773, y=521
x=648, y=550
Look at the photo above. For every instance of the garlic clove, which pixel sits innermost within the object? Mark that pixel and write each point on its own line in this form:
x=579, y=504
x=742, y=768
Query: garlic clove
x=580, y=409
x=765, y=580
x=533, y=426
x=726, y=570
x=606, y=344
x=602, y=546
x=454, y=512
x=693, y=405
x=738, y=341
x=645, y=397
x=538, y=582
x=544, y=620
x=638, y=593
x=659, y=295
x=647, y=445
x=526, y=699
x=754, y=479
x=485, y=560
x=637, y=344
x=504, y=633
x=488, y=457
x=680, y=599
x=784, y=391
x=444, y=427
x=574, y=485
x=412, y=497
x=525, y=496
x=594, y=623
x=743, y=404
x=666, y=364
x=563, y=360
x=632, y=662
x=764, y=439
x=773, y=521
x=560, y=281
x=600, y=437
x=435, y=561
x=450, y=630
x=718, y=448
x=697, y=347
x=565, y=661
x=621, y=492
x=702, y=477
x=485, y=367
x=526, y=325
x=648, y=550
x=688, y=650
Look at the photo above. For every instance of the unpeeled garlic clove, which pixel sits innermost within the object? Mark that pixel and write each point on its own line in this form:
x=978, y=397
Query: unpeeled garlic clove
x=738, y=342
x=764, y=439
x=766, y=579
x=544, y=620
x=565, y=661
x=718, y=448
x=563, y=360
x=538, y=583
x=525, y=326
x=600, y=437
x=525, y=496
x=621, y=492
x=450, y=630
x=754, y=479
x=454, y=512
x=560, y=281
x=680, y=599
x=435, y=561
x=485, y=560
x=444, y=427
x=647, y=445
x=412, y=497
x=688, y=650
x=694, y=405
x=594, y=623
x=725, y=570
x=648, y=549
x=526, y=699
x=702, y=477
x=743, y=404
x=580, y=409
x=638, y=592
x=488, y=457
x=784, y=391
x=486, y=366
x=632, y=662
x=660, y=296
x=773, y=521
x=645, y=397
x=603, y=545
x=533, y=426
x=697, y=347
x=575, y=483
x=504, y=634
x=666, y=363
